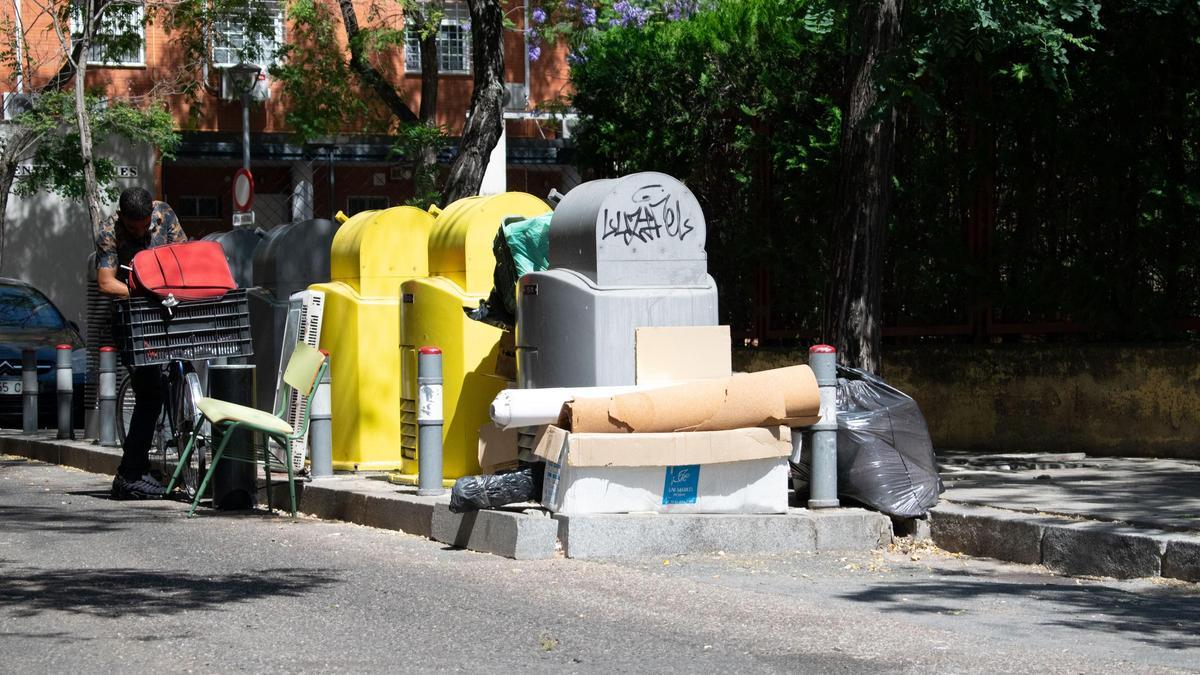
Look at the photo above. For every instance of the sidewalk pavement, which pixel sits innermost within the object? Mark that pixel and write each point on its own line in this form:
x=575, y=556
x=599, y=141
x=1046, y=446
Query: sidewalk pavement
x=1078, y=515
x=526, y=531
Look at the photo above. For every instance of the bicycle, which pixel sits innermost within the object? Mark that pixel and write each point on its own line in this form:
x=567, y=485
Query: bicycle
x=174, y=425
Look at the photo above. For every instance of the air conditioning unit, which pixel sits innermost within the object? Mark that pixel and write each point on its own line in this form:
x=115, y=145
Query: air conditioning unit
x=303, y=324
x=235, y=80
x=15, y=104
x=514, y=97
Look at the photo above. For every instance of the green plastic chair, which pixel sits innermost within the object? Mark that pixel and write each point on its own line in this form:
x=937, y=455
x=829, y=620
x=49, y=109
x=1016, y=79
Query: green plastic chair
x=304, y=370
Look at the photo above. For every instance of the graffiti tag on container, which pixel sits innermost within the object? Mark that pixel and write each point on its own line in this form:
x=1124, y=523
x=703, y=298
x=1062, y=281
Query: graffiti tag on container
x=654, y=213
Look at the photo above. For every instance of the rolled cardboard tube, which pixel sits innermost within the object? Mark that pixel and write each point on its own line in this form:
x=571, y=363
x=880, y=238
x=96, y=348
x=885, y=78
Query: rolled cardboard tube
x=783, y=396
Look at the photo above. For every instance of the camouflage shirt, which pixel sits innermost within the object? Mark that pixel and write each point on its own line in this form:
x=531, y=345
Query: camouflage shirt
x=116, y=245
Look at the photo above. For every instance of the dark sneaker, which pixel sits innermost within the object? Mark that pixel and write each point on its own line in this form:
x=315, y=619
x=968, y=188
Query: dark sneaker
x=143, y=488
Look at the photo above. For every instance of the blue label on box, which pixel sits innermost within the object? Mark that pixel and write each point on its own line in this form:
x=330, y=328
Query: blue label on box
x=681, y=483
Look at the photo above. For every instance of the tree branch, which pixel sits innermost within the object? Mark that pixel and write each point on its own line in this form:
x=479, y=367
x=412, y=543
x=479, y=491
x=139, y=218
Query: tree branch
x=369, y=74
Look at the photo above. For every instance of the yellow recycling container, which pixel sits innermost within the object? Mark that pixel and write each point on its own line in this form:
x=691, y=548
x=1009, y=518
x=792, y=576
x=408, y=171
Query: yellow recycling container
x=461, y=265
x=373, y=253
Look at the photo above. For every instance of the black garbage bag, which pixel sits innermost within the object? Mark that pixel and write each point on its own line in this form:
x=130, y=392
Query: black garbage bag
x=500, y=307
x=520, y=246
x=471, y=493
x=885, y=454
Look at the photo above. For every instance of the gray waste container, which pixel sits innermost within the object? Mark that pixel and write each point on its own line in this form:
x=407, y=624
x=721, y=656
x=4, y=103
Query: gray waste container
x=292, y=258
x=240, y=245
x=624, y=253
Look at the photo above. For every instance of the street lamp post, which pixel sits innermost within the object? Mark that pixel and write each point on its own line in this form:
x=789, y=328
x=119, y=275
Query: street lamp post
x=247, y=75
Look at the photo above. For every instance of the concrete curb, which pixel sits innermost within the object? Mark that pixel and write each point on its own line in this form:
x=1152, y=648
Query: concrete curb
x=1067, y=546
x=620, y=535
x=530, y=534
x=44, y=447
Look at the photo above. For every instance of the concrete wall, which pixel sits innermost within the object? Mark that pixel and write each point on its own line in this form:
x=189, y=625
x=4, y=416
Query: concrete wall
x=48, y=239
x=1104, y=400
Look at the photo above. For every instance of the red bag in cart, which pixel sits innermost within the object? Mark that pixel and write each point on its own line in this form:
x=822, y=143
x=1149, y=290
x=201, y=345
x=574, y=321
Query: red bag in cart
x=192, y=270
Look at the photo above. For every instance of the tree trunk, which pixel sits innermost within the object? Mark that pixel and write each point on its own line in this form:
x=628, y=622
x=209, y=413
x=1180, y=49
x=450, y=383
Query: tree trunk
x=426, y=164
x=430, y=71
x=368, y=73
x=91, y=188
x=486, y=120
x=853, y=312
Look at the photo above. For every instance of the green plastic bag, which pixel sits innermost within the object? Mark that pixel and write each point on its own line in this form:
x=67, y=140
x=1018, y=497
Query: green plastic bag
x=529, y=242
x=520, y=247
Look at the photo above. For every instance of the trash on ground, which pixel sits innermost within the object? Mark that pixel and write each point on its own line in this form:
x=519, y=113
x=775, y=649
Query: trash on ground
x=471, y=493
x=729, y=471
x=885, y=455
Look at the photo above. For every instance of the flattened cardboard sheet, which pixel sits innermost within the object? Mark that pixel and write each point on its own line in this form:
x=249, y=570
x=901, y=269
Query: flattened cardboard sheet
x=497, y=448
x=663, y=449
x=682, y=353
x=787, y=396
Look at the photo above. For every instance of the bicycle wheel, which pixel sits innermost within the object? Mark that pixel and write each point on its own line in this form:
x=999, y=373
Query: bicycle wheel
x=125, y=403
x=184, y=392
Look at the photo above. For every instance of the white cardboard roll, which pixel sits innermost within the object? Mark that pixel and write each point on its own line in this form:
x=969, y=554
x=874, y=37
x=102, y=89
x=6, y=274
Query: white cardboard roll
x=532, y=407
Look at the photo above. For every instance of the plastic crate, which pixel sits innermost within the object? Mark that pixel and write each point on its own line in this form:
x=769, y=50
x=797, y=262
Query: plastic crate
x=148, y=334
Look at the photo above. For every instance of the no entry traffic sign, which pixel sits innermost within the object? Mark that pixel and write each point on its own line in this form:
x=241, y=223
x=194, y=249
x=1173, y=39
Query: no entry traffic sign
x=243, y=190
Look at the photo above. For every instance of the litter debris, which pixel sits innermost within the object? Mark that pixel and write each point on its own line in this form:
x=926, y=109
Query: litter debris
x=471, y=493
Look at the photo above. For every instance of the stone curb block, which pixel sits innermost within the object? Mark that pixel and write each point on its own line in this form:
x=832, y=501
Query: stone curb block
x=627, y=535
x=1101, y=549
x=1066, y=546
x=513, y=535
x=81, y=455
x=849, y=529
x=335, y=499
x=1182, y=558
x=988, y=533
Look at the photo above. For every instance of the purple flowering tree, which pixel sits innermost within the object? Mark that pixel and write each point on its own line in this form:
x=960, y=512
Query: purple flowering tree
x=575, y=20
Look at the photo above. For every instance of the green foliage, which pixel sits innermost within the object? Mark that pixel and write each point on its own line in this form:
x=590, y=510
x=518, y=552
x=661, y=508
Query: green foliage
x=1066, y=130
x=323, y=93
x=724, y=102
x=190, y=24
x=57, y=166
x=415, y=144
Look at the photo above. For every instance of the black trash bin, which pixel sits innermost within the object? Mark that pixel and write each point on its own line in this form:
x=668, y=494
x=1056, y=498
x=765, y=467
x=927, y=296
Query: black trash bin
x=234, y=484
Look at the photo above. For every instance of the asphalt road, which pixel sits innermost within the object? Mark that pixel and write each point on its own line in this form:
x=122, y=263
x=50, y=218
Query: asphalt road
x=92, y=585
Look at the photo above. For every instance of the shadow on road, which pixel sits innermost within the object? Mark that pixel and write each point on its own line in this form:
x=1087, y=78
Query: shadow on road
x=27, y=518
x=1161, y=617
x=115, y=593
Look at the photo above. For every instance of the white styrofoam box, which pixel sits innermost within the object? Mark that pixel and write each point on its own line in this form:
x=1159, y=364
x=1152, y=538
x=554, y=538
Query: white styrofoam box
x=736, y=471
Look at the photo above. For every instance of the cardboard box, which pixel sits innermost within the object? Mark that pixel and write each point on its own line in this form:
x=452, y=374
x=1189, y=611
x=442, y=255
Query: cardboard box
x=497, y=448
x=733, y=471
x=506, y=356
x=682, y=353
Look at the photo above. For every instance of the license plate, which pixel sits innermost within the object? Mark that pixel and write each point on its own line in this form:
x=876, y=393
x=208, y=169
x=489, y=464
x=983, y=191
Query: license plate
x=10, y=386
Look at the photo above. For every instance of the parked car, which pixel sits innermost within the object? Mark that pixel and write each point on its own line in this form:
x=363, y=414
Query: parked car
x=28, y=320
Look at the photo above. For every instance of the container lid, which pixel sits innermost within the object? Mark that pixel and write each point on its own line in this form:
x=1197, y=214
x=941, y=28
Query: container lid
x=645, y=229
x=294, y=256
x=375, y=251
x=239, y=245
x=460, y=243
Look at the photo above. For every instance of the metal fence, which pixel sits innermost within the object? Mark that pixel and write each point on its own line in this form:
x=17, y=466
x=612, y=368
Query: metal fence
x=293, y=184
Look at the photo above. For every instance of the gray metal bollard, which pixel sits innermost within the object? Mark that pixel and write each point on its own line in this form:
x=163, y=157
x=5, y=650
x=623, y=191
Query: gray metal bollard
x=429, y=421
x=107, y=396
x=66, y=385
x=823, y=483
x=29, y=391
x=320, y=431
